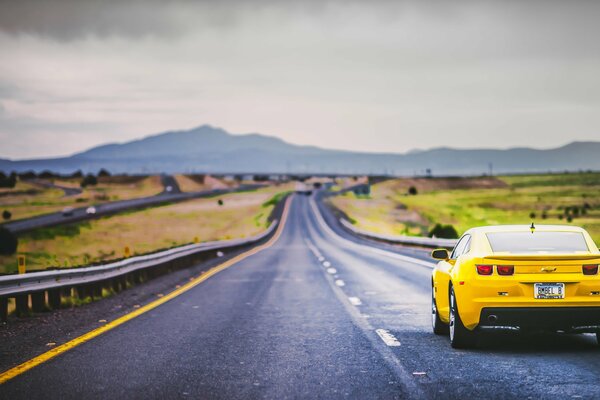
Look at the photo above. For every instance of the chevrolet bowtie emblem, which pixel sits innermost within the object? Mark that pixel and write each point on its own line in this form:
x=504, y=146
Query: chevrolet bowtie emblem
x=548, y=269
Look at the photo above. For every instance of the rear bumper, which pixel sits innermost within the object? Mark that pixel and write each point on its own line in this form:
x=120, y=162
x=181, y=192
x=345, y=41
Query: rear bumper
x=568, y=319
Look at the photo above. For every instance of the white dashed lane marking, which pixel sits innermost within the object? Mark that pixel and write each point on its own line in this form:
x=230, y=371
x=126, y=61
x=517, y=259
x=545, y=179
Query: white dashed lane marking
x=326, y=264
x=355, y=301
x=340, y=283
x=387, y=337
x=331, y=270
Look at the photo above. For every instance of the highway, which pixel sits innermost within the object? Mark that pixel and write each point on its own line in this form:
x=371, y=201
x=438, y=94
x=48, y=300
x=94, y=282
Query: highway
x=316, y=313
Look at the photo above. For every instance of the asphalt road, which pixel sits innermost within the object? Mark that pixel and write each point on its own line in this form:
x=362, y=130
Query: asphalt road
x=68, y=191
x=316, y=315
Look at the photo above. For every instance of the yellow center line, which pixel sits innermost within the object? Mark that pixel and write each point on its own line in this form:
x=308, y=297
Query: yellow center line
x=27, y=365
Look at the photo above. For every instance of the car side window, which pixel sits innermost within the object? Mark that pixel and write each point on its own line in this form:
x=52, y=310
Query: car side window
x=461, y=247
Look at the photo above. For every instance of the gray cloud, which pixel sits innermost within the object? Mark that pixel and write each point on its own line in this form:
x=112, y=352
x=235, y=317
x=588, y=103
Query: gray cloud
x=369, y=76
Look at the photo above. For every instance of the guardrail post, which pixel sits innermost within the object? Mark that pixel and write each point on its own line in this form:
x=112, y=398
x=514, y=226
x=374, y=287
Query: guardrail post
x=115, y=285
x=97, y=290
x=22, y=305
x=38, y=302
x=54, y=298
x=3, y=309
x=82, y=292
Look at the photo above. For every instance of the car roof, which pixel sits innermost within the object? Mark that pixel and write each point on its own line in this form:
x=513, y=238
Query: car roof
x=524, y=228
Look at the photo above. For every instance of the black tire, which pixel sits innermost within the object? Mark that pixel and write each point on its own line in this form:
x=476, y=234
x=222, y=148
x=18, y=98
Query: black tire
x=460, y=337
x=439, y=327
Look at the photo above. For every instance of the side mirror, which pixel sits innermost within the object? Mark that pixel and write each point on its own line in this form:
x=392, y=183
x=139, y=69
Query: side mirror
x=440, y=254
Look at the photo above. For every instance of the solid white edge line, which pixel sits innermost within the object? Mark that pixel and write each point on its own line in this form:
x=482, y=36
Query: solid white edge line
x=376, y=250
x=387, y=337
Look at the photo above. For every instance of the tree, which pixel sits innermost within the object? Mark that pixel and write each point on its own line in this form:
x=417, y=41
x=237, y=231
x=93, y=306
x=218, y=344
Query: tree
x=8, y=242
x=47, y=175
x=532, y=215
x=27, y=175
x=443, y=231
x=8, y=181
x=89, y=180
x=412, y=191
x=103, y=173
x=6, y=215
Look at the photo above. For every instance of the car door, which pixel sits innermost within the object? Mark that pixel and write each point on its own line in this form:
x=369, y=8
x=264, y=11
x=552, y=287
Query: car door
x=442, y=278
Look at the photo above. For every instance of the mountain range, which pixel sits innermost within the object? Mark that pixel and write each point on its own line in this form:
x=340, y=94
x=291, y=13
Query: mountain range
x=207, y=149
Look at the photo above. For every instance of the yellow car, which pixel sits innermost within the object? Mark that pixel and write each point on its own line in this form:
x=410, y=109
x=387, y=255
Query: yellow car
x=517, y=278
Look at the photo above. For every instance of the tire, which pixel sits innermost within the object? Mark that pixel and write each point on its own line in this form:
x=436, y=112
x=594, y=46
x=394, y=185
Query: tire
x=439, y=327
x=460, y=337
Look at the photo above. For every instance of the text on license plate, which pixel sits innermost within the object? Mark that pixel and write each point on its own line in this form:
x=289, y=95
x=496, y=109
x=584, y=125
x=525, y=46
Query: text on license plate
x=549, y=290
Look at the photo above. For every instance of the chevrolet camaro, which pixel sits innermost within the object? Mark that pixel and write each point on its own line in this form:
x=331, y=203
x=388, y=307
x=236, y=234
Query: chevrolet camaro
x=516, y=278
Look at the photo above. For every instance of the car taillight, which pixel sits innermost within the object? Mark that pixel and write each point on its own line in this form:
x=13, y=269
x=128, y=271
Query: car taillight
x=484, y=269
x=590, y=269
x=505, y=269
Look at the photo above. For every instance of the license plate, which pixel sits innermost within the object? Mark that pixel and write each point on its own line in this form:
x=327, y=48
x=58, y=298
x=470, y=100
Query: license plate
x=549, y=290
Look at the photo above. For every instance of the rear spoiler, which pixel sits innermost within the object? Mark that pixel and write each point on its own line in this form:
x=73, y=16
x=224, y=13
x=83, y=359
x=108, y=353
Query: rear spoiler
x=542, y=257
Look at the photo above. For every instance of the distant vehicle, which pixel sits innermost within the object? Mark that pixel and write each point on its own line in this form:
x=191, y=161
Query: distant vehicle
x=303, y=188
x=517, y=278
x=67, y=211
x=169, y=189
x=90, y=210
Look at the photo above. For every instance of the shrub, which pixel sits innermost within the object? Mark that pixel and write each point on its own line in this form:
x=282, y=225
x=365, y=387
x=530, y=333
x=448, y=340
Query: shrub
x=8, y=181
x=443, y=231
x=544, y=215
x=47, y=175
x=6, y=215
x=27, y=175
x=8, y=242
x=412, y=191
x=569, y=218
x=532, y=215
x=89, y=180
x=560, y=216
x=220, y=202
x=103, y=173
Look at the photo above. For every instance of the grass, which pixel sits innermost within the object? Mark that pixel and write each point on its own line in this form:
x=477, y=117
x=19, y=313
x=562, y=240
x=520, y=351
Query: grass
x=28, y=200
x=510, y=200
x=241, y=215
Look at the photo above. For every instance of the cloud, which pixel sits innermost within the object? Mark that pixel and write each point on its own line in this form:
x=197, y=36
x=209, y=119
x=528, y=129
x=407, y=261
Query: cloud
x=375, y=76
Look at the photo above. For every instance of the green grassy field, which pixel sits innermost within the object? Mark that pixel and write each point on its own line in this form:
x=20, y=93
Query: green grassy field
x=469, y=202
x=28, y=200
x=241, y=215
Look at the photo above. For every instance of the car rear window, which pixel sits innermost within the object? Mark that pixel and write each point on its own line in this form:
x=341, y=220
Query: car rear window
x=537, y=242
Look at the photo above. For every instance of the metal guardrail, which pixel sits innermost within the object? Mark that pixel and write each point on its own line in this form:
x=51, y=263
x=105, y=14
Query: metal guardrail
x=401, y=239
x=89, y=281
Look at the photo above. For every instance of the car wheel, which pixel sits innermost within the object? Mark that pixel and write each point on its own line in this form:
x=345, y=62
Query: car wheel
x=439, y=327
x=460, y=337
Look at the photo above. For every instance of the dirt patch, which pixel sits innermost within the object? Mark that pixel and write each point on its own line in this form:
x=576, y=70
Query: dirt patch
x=433, y=184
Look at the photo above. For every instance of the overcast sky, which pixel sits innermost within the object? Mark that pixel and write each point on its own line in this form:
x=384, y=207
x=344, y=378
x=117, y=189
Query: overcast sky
x=383, y=76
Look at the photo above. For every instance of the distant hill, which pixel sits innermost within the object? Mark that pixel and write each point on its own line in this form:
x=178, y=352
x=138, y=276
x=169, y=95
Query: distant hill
x=213, y=150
